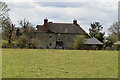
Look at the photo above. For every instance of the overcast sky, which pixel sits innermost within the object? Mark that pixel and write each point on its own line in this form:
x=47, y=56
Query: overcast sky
x=84, y=11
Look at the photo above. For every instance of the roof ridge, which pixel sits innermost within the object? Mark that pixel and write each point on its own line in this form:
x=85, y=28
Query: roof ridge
x=61, y=23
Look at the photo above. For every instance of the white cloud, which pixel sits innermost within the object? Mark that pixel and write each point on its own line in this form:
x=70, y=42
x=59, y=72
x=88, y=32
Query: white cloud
x=60, y=0
x=35, y=12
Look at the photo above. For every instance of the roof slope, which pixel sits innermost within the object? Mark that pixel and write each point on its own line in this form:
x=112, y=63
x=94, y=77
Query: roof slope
x=65, y=28
x=92, y=41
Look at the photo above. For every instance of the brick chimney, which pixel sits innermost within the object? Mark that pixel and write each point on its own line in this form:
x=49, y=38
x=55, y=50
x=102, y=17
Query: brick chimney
x=45, y=21
x=75, y=22
x=45, y=26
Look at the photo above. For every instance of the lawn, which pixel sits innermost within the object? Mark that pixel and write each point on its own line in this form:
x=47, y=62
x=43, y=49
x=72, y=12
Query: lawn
x=44, y=63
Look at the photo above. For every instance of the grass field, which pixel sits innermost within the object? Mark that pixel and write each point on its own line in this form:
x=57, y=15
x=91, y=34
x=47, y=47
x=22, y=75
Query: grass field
x=43, y=63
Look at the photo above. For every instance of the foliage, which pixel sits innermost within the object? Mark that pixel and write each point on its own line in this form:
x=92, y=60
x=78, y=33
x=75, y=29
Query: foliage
x=24, y=35
x=13, y=44
x=96, y=27
x=34, y=43
x=116, y=47
x=108, y=45
x=44, y=63
x=23, y=40
x=95, y=31
x=109, y=42
x=79, y=40
x=26, y=28
x=115, y=29
x=18, y=33
x=113, y=38
x=7, y=33
x=7, y=26
x=4, y=43
x=100, y=36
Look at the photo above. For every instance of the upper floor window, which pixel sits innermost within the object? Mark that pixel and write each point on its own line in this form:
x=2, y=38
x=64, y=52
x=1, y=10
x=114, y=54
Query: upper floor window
x=50, y=36
x=58, y=34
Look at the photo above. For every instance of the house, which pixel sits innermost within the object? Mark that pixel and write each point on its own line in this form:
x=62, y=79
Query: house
x=62, y=35
x=93, y=44
x=57, y=35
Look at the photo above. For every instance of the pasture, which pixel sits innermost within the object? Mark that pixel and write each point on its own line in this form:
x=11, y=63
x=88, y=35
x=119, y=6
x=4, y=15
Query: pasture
x=44, y=63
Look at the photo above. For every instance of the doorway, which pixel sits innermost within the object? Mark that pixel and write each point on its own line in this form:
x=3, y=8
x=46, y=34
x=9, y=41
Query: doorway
x=59, y=44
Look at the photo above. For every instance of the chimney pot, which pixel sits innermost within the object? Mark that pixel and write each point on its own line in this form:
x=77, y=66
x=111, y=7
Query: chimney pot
x=74, y=21
x=45, y=21
x=45, y=26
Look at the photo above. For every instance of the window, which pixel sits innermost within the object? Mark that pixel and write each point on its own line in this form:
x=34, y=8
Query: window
x=58, y=34
x=50, y=44
x=94, y=46
x=50, y=36
x=66, y=30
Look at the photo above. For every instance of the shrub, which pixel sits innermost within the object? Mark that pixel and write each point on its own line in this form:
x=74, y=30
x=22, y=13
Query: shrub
x=4, y=43
x=15, y=43
x=22, y=41
x=79, y=40
x=34, y=43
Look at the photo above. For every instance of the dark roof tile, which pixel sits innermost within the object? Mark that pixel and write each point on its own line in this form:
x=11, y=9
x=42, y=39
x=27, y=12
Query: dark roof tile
x=65, y=28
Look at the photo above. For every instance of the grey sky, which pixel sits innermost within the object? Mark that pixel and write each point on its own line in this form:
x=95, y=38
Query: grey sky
x=85, y=12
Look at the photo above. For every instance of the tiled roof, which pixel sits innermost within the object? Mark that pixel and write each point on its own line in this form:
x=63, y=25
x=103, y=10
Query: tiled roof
x=65, y=28
x=39, y=28
x=92, y=41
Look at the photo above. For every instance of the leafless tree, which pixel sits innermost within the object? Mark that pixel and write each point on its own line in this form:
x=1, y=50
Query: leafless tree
x=115, y=29
x=4, y=17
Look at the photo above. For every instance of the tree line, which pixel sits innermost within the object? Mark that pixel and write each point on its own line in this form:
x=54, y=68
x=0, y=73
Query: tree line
x=21, y=37
x=13, y=36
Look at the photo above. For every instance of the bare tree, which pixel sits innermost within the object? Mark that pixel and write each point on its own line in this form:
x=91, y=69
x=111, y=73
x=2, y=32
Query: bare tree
x=6, y=24
x=4, y=17
x=115, y=29
x=26, y=27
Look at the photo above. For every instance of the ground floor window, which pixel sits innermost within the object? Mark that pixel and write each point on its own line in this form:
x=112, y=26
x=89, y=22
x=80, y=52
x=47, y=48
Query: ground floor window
x=59, y=44
x=94, y=46
x=50, y=44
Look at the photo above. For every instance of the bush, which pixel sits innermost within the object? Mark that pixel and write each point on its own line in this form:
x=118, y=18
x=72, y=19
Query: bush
x=4, y=43
x=22, y=41
x=78, y=42
x=116, y=47
x=34, y=43
x=15, y=43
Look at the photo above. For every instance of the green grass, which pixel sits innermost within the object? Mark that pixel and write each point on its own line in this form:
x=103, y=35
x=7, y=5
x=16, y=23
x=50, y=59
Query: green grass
x=43, y=63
